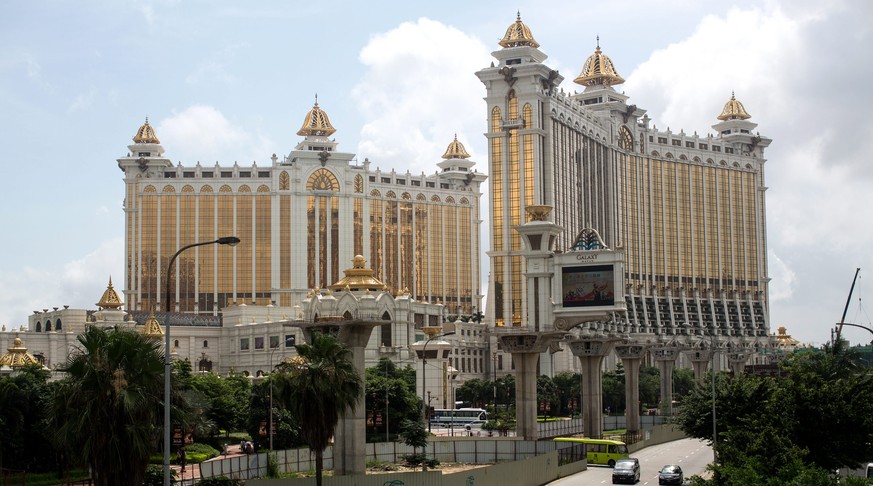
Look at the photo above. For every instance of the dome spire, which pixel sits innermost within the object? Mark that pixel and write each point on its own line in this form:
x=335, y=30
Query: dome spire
x=17, y=356
x=518, y=34
x=598, y=70
x=733, y=110
x=316, y=123
x=456, y=150
x=110, y=298
x=146, y=134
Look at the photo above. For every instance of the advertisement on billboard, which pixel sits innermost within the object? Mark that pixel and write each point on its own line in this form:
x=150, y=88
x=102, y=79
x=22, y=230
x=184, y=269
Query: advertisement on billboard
x=588, y=286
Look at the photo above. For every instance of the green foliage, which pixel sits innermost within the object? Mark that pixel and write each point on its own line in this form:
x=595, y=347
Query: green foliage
x=414, y=434
x=272, y=465
x=23, y=400
x=287, y=434
x=220, y=481
x=225, y=400
x=787, y=430
x=116, y=381
x=197, y=453
x=390, y=390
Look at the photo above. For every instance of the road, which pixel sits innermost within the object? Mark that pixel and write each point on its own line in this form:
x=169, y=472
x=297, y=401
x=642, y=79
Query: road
x=691, y=454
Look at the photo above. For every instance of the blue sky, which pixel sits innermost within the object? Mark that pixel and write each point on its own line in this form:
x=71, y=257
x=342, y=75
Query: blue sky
x=231, y=81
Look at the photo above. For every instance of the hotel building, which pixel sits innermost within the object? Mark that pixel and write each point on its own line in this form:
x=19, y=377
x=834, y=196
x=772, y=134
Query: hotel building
x=688, y=210
x=301, y=218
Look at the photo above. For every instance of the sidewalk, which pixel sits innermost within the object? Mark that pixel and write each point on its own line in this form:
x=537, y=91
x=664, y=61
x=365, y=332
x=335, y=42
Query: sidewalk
x=192, y=471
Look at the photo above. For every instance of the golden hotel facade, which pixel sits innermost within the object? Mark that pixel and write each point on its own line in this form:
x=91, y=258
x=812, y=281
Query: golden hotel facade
x=688, y=210
x=301, y=219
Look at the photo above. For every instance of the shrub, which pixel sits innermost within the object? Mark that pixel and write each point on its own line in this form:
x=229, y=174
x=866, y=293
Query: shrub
x=220, y=481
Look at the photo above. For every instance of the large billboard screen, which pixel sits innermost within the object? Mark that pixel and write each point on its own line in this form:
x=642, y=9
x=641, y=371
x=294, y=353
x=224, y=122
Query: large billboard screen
x=588, y=286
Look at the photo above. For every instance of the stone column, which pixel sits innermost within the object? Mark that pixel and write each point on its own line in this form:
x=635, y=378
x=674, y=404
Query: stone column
x=525, y=348
x=665, y=356
x=591, y=351
x=349, y=450
x=700, y=359
x=631, y=355
x=737, y=361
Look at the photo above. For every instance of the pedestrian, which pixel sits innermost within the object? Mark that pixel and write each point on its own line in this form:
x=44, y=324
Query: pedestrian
x=180, y=454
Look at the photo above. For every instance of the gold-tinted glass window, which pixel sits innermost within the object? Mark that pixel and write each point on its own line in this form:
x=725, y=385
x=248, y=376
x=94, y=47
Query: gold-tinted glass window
x=168, y=245
x=263, y=252
x=435, y=243
x=207, y=293
x=376, y=238
x=422, y=248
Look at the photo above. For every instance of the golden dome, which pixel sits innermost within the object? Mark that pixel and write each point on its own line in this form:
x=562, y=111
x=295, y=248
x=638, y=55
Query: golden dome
x=110, y=299
x=733, y=110
x=316, y=123
x=358, y=277
x=17, y=356
x=598, y=69
x=456, y=150
x=152, y=327
x=517, y=35
x=146, y=134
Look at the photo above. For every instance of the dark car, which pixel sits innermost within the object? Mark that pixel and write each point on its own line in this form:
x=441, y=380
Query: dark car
x=671, y=474
x=626, y=471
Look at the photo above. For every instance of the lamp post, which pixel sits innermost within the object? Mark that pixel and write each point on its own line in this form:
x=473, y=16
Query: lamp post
x=225, y=240
x=423, y=368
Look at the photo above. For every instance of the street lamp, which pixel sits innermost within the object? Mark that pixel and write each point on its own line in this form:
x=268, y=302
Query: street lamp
x=423, y=367
x=225, y=240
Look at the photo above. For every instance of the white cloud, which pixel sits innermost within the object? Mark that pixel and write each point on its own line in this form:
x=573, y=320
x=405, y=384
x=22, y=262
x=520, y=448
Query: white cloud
x=79, y=285
x=796, y=70
x=417, y=92
x=202, y=133
x=216, y=67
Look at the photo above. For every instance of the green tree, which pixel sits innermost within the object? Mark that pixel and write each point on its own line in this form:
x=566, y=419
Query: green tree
x=569, y=386
x=612, y=388
x=476, y=392
x=815, y=419
x=547, y=394
x=683, y=382
x=287, y=433
x=650, y=386
x=414, y=434
x=389, y=392
x=23, y=399
x=227, y=399
x=107, y=412
x=317, y=388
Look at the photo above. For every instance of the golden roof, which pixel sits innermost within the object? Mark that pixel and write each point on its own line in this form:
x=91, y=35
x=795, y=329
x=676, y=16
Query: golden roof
x=785, y=339
x=316, y=123
x=358, y=277
x=598, y=69
x=17, y=356
x=733, y=110
x=152, y=327
x=110, y=299
x=146, y=134
x=517, y=35
x=456, y=150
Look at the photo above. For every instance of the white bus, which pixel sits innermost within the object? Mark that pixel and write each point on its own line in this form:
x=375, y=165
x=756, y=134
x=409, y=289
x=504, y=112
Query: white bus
x=458, y=416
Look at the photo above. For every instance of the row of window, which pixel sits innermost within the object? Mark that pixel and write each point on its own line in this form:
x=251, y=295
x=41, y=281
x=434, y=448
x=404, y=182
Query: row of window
x=224, y=174
x=689, y=144
x=261, y=341
x=414, y=182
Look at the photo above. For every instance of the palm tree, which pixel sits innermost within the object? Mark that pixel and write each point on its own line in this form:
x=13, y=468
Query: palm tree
x=107, y=411
x=318, y=386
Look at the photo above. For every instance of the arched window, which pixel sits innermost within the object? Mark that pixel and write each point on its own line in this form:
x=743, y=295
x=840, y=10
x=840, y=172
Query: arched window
x=58, y=325
x=176, y=343
x=205, y=344
x=625, y=139
x=38, y=326
x=322, y=180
